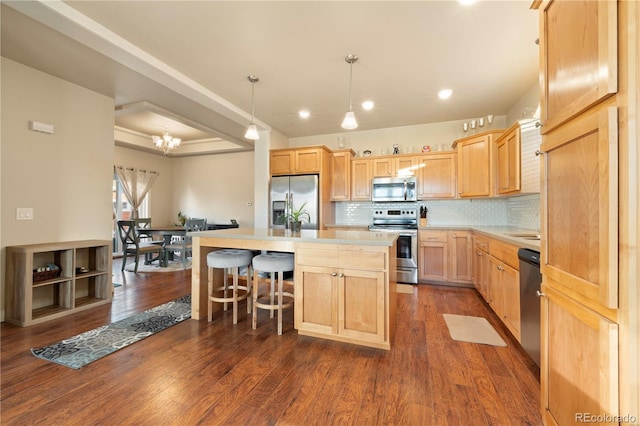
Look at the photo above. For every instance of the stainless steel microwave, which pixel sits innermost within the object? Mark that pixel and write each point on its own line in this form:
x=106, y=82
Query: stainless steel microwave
x=395, y=189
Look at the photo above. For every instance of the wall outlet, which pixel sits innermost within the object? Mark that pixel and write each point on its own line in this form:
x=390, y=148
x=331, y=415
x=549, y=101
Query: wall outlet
x=24, y=213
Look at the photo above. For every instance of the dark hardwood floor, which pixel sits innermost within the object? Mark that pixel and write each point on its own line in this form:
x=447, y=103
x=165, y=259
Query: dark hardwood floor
x=200, y=373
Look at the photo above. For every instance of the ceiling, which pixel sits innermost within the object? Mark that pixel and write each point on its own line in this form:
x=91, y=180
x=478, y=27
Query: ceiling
x=183, y=65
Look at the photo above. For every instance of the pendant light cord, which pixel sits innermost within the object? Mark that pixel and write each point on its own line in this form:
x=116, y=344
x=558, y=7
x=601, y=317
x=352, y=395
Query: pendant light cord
x=350, y=83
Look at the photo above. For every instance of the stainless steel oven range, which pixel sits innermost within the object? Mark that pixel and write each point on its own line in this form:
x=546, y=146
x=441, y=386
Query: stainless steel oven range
x=403, y=221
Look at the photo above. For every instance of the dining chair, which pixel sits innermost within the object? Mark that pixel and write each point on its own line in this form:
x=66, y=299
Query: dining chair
x=181, y=245
x=141, y=224
x=131, y=243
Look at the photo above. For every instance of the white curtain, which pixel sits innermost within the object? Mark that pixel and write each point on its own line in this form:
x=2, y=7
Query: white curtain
x=136, y=184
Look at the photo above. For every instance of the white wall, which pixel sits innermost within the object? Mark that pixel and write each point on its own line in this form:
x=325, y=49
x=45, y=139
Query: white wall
x=217, y=187
x=66, y=176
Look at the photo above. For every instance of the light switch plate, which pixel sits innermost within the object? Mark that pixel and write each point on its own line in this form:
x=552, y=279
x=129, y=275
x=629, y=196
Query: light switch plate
x=24, y=213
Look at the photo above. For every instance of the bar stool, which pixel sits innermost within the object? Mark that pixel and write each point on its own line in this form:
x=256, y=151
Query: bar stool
x=274, y=263
x=229, y=259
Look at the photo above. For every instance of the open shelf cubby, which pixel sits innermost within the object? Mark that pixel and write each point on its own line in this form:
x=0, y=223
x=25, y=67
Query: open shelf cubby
x=84, y=280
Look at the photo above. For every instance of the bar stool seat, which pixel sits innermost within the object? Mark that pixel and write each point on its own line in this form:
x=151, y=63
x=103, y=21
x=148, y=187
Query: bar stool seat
x=229, y=260
x=273, y=263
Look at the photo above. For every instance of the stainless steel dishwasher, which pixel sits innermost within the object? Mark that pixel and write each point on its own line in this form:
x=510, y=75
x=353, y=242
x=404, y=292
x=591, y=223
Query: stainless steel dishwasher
x=530, y=282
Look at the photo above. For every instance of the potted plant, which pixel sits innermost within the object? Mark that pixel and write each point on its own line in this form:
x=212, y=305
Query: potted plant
x=297, y=215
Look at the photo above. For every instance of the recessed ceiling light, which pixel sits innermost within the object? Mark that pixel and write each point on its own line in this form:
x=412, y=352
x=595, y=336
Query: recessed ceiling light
x=466, y=2
x=368, y=105
x=445, y=93
x=304, y=113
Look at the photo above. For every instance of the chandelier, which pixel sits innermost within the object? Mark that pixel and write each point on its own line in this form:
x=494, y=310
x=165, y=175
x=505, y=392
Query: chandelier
x=166, y=142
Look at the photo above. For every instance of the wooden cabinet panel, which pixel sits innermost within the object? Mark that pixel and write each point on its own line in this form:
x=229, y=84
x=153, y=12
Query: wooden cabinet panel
x=579, y=371
x=481, y=266
x=507, y=149
x=361, y=304
x=474, y=164
x=318, y=300
x=361, y=179
x=460, y=246
x=281, y=162
x=581, y=195
x=341, y=175
x=433, y=261
x=578, y=57
x=504, y=294
x=437, y=176
x=382, y=167
x=308, y=160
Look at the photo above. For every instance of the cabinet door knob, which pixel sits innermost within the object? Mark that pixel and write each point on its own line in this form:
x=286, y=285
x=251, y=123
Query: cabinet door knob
x=335, y=274
x=540, y=294
x=538, y=152
x=539, y=124
x=341, y=275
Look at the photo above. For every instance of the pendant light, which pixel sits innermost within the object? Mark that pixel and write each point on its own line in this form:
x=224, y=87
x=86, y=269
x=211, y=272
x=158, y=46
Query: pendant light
x=349, y=121
x=252, y=130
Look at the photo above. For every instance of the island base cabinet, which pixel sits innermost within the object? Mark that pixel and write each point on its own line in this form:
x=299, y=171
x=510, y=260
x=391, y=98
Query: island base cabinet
x=347, y=304
x=573, y=389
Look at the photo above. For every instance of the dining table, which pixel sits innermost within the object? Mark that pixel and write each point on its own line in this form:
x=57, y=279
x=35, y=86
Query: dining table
x=166, y=232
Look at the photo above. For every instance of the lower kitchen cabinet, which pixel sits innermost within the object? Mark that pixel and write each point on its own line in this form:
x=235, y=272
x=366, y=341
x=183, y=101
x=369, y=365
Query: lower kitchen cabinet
x=481, y=269
x=342, y=294
x=445, y=256
x=433, y=256
x=579, y=374
x=460, y=247
x=504, y=294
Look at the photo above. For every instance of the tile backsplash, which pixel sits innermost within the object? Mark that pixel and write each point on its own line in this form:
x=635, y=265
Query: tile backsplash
x=521, y=212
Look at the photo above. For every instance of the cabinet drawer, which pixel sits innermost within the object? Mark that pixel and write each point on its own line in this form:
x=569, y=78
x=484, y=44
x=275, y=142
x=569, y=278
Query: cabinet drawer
x=433, y=236
x=362, y=259
x=507, y=253
x=481, y=243
x=318, y=257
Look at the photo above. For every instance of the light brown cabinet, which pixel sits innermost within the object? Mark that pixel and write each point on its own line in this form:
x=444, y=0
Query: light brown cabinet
x=504, y=294
x=392, y=166
x=361, y=179
x=433, y=252
x=341, y=175
x=507, y=154
x=297, y=161
x=32, y=301
x=579, y=55
x=475, y=173
x=342, y=293
x=460, y=248
x=444, y=256
x=437, y=176
x=480, y=277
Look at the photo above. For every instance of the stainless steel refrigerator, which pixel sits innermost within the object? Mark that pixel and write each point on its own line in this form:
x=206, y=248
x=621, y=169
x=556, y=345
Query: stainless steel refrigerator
x=293, y=190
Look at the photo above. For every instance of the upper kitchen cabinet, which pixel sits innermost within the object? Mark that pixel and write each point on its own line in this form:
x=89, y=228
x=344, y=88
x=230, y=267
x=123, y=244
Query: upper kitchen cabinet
x=392, y=166
x=341, y=175
x=361, y=179
x=578, y=58
x=517, y=159
x=298, y=161
x=437, y=176
x=474, y=164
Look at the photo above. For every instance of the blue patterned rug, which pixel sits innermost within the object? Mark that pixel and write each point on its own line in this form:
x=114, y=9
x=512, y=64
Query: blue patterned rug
x=92, y=345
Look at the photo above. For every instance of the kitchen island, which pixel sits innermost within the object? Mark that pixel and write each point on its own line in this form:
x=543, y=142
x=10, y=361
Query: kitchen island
x=344, y=281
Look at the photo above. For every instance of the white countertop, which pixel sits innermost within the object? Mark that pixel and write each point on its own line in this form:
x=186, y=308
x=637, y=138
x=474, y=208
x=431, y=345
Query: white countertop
x=328, y=236
x=497, y=232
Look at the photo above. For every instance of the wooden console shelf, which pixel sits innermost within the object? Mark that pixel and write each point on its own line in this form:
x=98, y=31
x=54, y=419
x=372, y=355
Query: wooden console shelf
x=30, y=302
